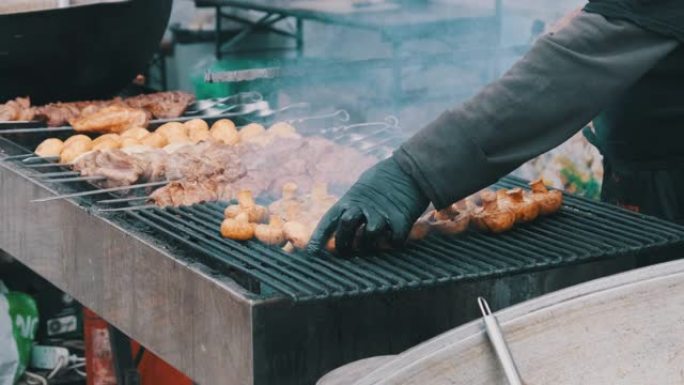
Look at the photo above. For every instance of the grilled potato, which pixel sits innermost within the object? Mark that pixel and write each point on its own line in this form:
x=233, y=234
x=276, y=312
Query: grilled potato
x=224, y=131
x=136, y=133
x=49, y=148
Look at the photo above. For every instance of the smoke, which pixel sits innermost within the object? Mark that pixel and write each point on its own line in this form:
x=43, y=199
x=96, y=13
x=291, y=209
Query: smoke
x=413, y=77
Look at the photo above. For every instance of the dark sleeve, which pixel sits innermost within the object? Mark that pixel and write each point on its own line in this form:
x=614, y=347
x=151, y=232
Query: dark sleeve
x=564, y=81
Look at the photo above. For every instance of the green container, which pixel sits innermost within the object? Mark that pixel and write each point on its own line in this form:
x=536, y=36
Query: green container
x=22, y=313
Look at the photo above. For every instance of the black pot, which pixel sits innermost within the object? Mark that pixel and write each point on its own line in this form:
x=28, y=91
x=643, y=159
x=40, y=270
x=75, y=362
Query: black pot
x=80, y=52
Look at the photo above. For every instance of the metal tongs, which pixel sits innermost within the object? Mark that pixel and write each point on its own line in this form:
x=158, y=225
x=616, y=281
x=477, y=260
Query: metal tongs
x=499, y=343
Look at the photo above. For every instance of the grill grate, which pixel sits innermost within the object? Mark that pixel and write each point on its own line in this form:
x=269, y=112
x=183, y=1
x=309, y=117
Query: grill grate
x=582, y=231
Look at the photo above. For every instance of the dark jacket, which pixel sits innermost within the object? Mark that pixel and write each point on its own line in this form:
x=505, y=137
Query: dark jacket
x=566, y=80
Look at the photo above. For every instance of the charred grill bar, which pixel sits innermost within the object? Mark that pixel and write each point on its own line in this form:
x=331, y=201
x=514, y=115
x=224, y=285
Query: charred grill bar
x=244, y=313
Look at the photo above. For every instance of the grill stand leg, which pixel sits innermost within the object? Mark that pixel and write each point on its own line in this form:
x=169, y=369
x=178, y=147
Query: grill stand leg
x=124, y=367
x=265, y=23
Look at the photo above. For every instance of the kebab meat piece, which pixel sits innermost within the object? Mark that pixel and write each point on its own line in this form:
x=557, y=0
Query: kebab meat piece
x=185, y=193
x=419, y=230
x=298, y=160
x=495, y=212
x=293, y=218
x=525, y=208
x=162, y=105
x=119, y=168
x=492, y=217
x=275, y=157
x=59, y=114
x=110, y=119
x=302, y=160
x=196, y=167
x=549, y=201
x=451, y=220
x=18, y=109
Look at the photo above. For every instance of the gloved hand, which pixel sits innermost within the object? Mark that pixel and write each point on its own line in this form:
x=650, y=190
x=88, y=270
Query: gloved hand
x=385, y=199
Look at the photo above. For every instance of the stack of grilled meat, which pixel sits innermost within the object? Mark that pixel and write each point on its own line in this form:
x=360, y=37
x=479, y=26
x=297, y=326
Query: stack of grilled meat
x=18, y=109
x=204, y=161
x=211, y=164
x=82, y=114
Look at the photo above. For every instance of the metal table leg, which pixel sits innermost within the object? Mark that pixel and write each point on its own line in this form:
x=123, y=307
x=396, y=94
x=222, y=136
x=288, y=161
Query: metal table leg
x=218, y=40
x=124, y=367
x=265, y=23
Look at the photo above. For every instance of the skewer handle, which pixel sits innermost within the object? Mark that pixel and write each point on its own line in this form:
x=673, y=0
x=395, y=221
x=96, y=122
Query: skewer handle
x=89, y=178
x=499, y=343
x=36, y=130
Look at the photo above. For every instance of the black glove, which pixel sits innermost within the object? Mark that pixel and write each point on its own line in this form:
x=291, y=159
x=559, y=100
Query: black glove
x=384, y=202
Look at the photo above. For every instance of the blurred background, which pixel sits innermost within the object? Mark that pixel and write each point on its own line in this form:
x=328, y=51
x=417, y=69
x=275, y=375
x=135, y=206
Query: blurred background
x=409, y=59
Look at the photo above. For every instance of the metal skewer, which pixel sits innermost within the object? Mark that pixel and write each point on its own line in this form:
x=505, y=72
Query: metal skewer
x=390, y=122
x=36, y=130
x=227, y=111
x=45, y=165
x=59, y=174
x=89, y=178
x=18, y=157
x=351, y=138
x=267, y=112
x=499, y=343
x=34, y=159
x=363, y=145
x=341, y=115
x=102, y=191
x=122, y=200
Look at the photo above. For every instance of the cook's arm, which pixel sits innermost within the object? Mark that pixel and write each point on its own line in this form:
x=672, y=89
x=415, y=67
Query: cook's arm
x=564, y=81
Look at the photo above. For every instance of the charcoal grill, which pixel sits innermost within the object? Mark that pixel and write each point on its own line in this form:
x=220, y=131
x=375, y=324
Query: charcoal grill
x=244, y=313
